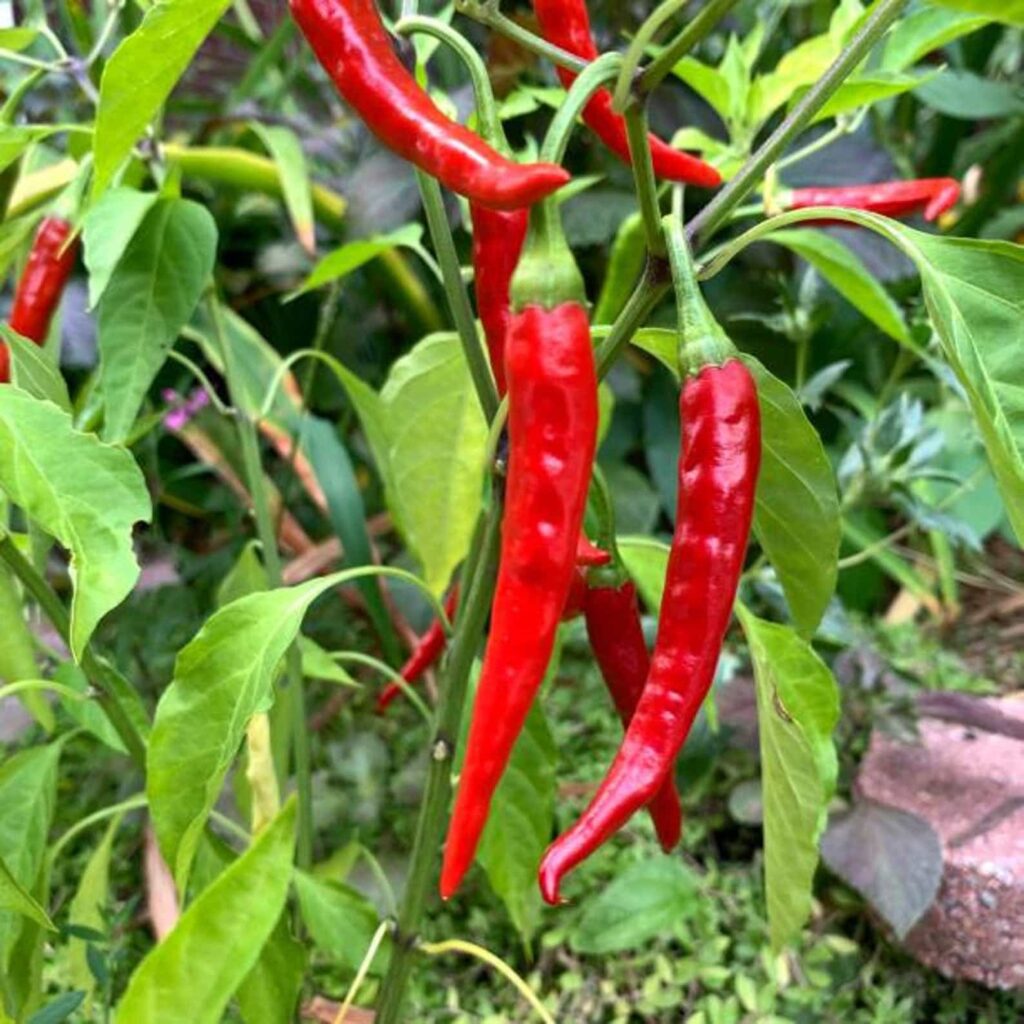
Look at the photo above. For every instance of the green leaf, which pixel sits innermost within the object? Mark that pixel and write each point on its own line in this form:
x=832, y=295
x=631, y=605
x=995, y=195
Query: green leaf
x=190, y=977
x=152, y=294
x=28, y=790
x=271, y=990
x=15, y=898
x=1009, y=11
x=340, y=920
x=647, y=900
x=647, y=562
x=140, y=75
x=108, y=229
x=17, y=39
x=797, y=710
x=923, y=31
x=709, y=83
x=222, y=678
x=85, y=493
x=863, y=89
x=353, y=255
x=843, y=269
x=286, y=149
x=970, y=97
x=247, y=576
x=34, y=370
x=437, y=437
x=59, y=1009
x=88, y=909
x=519, y=827
x=796, y=516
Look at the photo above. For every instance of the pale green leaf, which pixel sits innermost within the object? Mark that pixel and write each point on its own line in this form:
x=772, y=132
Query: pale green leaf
x=286, y=149
x=190, y=977
x=14, y=898
x=18, y=649
x=88, y=908
x=271, y=990
x=647, y=562
x=222, y=678
x=85, y=493
x=140, y=75
x=152, y=293
x=924, y=31
x=797, y=711
x=845, y=271
x=109, y=227
x=353, y=255
x=1009, y=11
x=34, y=370
x=28, y=790
x=340, y=920
x=437, y=436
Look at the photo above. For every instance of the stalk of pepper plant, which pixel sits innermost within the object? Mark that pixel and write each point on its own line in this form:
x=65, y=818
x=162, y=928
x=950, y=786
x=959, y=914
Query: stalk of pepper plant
x=718, y=469
x=930, y=196
x=351, y=42
x=566, y=23
x=50, y=263
x=552, y=430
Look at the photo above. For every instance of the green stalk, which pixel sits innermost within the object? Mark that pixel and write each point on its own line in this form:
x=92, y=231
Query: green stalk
x=100, y=675
x=643, y=176
x=750, y=174
x=648, y=293
x=434, y=809
x=695, y=32
x=266, y=530
x=458, y=299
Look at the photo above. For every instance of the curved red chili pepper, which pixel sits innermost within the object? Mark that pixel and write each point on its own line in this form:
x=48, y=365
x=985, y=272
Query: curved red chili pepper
x=932, y=196
x=552, y=387
x=617, y=637
x=718, y=471
x=566, y=23
x=425, y=654
x=50, y=263
x=350, y=41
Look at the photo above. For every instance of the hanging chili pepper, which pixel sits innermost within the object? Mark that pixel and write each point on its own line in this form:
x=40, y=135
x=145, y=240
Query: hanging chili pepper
x=718, y=468
x=552, y=431
x=350, y=41
x=616, y=636
x=933, y=196
x=566, y=23
x=425, y=655
x=50, y=263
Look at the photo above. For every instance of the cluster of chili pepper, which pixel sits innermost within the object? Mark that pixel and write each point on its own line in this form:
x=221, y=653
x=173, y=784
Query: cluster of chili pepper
x=50, y=263
x=532, y=306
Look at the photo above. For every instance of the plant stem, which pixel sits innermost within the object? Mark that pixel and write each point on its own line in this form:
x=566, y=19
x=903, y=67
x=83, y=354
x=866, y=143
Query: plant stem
x=98, y=674
x=643, y=176
x=458, y=299
x=265, y=528
x=696, y=31
x=747, y=178
x=649, y=292
x=486, y=13
x=434, y=808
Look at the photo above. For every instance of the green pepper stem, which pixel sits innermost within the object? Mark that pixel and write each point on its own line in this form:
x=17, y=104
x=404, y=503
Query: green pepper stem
x=643, y=175
x=433, y=811
x=595, y=76
x=645, y=35
x=455, y=290
x=488, y=121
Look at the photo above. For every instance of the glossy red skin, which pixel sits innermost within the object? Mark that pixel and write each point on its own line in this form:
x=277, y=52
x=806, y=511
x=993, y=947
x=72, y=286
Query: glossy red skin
x=351, y=42
x=616, y=635
x=425, y=655
x=566, y=23
x=498, y=239
x=932, y=196
x=718, y=470
x=50, y=263
x=552, y=433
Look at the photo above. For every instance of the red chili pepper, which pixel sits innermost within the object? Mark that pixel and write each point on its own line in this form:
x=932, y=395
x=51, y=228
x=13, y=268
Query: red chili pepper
x=577, y=598
x=50, y=263
x=552, y=436
x=350, y=41
x=566, y=23
x=933, y=196
x=718, y=468
x=617, y=638
x=425, y=654
x=590, y=556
